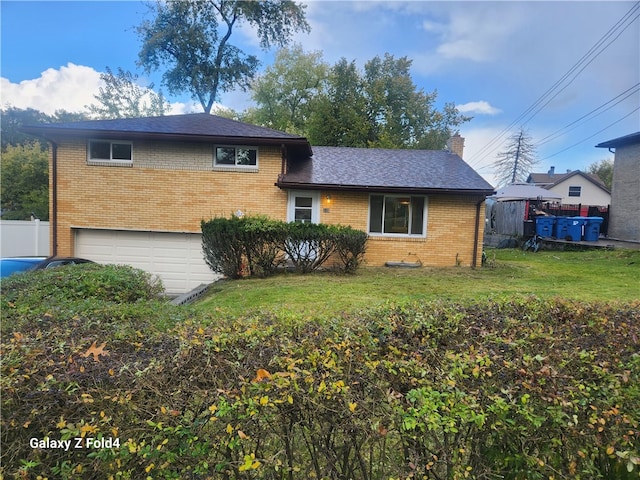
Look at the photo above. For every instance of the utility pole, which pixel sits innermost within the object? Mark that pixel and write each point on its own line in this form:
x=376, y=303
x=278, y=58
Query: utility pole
x=515, y=163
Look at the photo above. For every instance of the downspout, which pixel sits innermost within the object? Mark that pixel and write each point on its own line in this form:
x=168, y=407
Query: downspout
x=54, y=198
x=476, y=236
x=283, y=167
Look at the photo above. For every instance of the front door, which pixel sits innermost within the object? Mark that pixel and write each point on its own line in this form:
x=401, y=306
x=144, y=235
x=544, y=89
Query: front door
x=304, y=207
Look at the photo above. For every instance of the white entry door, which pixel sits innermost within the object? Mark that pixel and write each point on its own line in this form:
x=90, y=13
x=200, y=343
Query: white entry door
x=304, y=207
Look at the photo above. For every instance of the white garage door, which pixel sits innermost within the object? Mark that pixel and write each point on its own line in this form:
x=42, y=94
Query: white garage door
x=174, y=257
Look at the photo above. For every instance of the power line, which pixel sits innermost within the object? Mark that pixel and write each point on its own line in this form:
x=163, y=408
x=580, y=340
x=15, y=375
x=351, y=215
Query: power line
x=627, y=93
x=591, y=136
x=543, y=97
x=580, y=71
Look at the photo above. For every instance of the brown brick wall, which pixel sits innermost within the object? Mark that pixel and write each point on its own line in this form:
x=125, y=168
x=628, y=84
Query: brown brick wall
x=172, y=189
x=148, y=196
x=450, y=230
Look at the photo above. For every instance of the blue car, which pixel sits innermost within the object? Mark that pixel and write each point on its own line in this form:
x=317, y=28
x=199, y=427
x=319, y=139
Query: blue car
x=12, y=265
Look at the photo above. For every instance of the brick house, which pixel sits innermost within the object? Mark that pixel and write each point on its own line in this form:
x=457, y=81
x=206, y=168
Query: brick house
x=134, y=191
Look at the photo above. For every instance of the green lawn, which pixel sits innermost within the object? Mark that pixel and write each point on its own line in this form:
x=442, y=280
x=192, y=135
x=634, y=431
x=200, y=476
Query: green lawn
x=585, y=275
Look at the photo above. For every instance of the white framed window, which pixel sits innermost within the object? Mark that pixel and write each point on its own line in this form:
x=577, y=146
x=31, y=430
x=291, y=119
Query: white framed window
x=575, y=191
x=402, y=215
x=111, y=151
x=234, y=156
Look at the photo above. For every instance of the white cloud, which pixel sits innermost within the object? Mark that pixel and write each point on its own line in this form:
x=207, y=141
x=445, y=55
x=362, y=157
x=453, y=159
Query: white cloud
x=473, y=32
x=70, y=88
x=479, y=108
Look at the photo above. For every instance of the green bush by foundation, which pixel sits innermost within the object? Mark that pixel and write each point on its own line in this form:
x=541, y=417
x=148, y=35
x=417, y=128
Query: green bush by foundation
x=257, y=245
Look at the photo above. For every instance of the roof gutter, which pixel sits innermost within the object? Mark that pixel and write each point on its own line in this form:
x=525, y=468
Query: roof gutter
x=382, y=189
x=300, y=142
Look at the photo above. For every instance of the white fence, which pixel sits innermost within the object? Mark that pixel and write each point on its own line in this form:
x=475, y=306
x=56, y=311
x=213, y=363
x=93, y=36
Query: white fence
x=20, y=238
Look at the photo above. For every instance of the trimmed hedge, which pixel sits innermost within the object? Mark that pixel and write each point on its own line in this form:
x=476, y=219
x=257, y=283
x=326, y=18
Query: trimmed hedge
x=517, y=389
x=257, y=245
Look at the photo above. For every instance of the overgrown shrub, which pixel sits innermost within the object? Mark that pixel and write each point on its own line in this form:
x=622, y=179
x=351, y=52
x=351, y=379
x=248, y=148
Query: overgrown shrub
x=262, y=238
x=257, y=245
x=308, y=245
x=520, y=389
x=223, y=245
x=350, y=246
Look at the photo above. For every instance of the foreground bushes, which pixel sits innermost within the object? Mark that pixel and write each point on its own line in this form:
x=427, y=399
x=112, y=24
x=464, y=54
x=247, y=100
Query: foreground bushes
x=519, y=389
x=258, y=246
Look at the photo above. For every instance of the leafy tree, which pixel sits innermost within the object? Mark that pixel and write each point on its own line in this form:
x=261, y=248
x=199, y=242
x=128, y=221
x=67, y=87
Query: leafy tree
x=285, y=92
x=604, y=170
x=25, y=169
x=12, y=119
x=516, y=162
x=380, y=107
x=122, y=97
x=192, y=40
x=400, y=115
x=338, y=117
x=25, y=182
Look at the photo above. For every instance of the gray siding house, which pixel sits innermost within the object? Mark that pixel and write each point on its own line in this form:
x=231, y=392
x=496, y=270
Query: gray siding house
x=624, y=219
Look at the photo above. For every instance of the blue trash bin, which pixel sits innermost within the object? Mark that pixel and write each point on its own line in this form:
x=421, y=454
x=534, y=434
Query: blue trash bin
x=592, y=229
x=561, y=228
x=575, y=229
x=544, y=226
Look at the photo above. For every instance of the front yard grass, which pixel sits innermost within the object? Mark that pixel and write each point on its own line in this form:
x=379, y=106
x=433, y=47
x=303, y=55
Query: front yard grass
x=596, y=275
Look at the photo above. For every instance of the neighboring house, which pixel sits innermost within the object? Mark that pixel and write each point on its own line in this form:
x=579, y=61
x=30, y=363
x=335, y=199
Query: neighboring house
x=575, y=187
x=624, y=217
x=134, y=191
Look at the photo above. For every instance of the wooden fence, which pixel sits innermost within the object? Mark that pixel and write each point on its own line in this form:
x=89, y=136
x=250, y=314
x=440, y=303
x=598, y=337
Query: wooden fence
x=510, y=218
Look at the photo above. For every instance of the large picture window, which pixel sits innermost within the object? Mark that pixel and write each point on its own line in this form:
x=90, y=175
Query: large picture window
x=110, y=151
x=236, y=157
x=397, y=215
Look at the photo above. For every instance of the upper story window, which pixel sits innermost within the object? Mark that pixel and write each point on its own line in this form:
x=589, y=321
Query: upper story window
x=110, y=151
x=397, y=215
x=575, y=191
x=235, y=157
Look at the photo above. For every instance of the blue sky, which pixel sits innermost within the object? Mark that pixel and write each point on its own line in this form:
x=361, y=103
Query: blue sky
x=494, y=60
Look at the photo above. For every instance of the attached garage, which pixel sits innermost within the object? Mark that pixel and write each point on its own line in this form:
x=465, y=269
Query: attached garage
x=176, y=258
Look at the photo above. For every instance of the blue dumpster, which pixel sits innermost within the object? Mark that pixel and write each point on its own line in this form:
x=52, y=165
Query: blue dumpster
x=561, y=228
x=544, y=226
x=576, y=225
x=592, y=229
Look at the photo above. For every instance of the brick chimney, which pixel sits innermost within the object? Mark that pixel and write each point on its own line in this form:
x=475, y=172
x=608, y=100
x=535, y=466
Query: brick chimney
x=455, y=144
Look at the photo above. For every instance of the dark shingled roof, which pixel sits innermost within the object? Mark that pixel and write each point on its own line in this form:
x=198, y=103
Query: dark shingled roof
x=374, y=169
x=621, y=141
x=324, y=167
x=190, y=127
